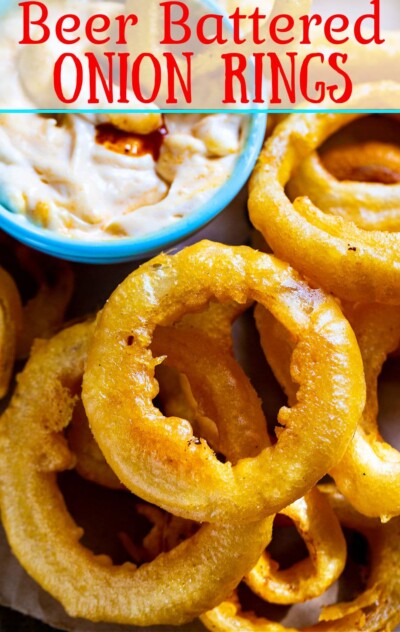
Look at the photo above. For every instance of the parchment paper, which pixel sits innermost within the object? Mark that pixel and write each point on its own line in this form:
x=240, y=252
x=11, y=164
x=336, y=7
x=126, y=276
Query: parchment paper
x=94, y=285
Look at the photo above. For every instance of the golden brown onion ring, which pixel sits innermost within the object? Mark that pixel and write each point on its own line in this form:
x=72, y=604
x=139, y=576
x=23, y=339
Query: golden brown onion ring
x=216, y=321
x=10, y=328
x=376, y=609
x=311, y=577
x=90, y=463
x=356, y=182
x=369, y=473
x=352, y=263
x=45, y=538
x=44, y=313
x=207, y=403
x=157, y=457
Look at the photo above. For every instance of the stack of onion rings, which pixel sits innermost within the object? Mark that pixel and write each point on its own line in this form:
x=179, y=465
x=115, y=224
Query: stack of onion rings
x=150, y=399
x=376, y=608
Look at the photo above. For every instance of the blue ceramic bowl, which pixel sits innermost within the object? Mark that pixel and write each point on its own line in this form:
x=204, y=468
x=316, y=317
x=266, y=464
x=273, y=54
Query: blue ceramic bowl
x=130, y=248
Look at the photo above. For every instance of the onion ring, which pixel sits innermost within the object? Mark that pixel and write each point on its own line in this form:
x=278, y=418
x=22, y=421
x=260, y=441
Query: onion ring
x=368, y=196
x=216, y=321
x=311, y=577
x=369, y=473
x=157, y=458
x=10, y=327
x=44, y=313
x=354, y=264
x=211, y=392
x=45, y=539
x=374, y=610
x=90, y=463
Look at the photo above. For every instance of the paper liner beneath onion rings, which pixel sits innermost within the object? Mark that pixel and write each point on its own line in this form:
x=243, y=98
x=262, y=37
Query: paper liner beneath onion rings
x=369, y=473
x=45, y=539
x=354, y=264
x=10, y=328
x=157, y=458
x=374, y=610
x=372, y=202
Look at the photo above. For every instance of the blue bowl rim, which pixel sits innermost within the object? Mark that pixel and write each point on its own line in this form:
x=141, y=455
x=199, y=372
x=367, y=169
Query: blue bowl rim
x=129, y=248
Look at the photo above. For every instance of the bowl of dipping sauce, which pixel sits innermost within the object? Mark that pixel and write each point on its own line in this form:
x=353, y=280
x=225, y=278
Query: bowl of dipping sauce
x=83, y=187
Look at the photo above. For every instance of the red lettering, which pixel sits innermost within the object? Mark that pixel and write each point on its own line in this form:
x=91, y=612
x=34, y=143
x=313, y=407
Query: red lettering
x=307, y=21
x=348, y=85
x=232, y=73
x=172, y=70
x=259, y=83
x=136, y=83
x=329, y=29
x=27, y=22
x=180, y=21
x=123, y=77
x=96, y=71
x=376, y=21
x=91, y=29
x=123, y=22
x=203, y=25
x=236, y=18
x=274, y=30
x=257, y=18
x=61, y=29
x=278, y=72
x=319, y=86
x=57, y=78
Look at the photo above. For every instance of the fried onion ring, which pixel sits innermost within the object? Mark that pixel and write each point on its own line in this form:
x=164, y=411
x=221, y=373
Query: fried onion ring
x=10, y=327
x=158, y=458
x=45, y=539
x=357, y=182
x=44, y=313
x=369, y=473
x=374, y=610
x=90, y=463
x=354, y=264
x=214, y=385
x=311, y=577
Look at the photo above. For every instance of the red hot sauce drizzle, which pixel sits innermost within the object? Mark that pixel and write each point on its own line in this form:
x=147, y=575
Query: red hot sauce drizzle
x=128, y=143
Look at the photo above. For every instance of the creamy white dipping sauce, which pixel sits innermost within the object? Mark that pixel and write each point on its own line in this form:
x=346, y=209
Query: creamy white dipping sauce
x=70, y=175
